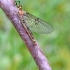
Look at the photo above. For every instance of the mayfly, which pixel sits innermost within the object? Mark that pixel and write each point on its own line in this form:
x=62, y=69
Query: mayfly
x=32, y=23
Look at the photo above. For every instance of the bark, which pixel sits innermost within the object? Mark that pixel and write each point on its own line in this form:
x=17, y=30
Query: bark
x=10, y=9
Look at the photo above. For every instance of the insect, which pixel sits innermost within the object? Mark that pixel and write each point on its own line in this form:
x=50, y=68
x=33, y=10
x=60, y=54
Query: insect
x=33, y=23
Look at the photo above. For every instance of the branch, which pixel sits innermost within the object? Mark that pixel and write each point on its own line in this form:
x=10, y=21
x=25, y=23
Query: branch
x=9, y=8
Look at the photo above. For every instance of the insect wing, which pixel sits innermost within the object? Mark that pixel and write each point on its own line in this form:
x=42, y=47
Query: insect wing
x=36, y=24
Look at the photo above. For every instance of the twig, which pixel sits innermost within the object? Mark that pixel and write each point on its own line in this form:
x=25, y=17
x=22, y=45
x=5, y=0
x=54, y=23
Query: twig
x=8, y=6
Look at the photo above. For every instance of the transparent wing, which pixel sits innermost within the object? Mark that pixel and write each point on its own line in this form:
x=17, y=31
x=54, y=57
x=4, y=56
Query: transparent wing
x=37, y=25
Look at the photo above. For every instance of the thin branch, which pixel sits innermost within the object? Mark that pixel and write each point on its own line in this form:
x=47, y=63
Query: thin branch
x=8, y=6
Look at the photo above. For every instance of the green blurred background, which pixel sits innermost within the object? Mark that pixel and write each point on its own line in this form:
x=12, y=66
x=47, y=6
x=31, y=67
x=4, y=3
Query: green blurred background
x=56, y=45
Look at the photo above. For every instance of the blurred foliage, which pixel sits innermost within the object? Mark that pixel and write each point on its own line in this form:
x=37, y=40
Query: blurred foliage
x=56, y=45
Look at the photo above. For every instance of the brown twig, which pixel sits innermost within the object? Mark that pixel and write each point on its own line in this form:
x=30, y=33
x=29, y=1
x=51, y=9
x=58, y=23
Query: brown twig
x=8, y=6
